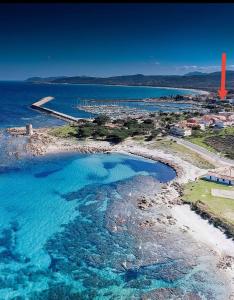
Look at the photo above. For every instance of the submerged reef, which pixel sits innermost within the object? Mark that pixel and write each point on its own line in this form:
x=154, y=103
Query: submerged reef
x=113, y=249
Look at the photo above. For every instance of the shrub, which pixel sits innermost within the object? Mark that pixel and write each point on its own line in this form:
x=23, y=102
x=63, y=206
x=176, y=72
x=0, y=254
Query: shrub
x=197, y=133
x=118, y=135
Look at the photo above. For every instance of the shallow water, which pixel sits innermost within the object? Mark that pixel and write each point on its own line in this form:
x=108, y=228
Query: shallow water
x=71, y=229
x=37, y=197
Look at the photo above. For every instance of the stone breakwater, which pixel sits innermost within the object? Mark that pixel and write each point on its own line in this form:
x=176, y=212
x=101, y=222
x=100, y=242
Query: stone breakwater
x=39, y=106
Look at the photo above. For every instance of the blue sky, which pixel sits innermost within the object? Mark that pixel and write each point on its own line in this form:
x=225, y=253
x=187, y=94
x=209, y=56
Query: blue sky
x=113, y=39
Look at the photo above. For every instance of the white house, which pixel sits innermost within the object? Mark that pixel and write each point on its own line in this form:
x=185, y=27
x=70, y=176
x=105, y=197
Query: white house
x=180, y=130
x=202, y=125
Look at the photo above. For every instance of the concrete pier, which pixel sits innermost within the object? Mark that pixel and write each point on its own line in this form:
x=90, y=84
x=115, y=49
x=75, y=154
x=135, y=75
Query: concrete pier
x=38, y=106
x=43, y=101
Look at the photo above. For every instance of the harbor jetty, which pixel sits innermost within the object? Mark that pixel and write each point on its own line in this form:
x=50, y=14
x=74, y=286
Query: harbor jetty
x=39, y=106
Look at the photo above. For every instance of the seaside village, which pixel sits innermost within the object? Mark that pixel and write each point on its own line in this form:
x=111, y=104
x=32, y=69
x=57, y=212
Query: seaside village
x=213, y=113
x=206, y=112
x=219, y=120
x=222, y=118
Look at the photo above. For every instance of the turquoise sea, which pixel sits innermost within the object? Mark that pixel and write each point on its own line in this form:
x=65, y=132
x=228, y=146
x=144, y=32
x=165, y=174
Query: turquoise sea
x=70, y=229
x=53, y=220
x=70, y=226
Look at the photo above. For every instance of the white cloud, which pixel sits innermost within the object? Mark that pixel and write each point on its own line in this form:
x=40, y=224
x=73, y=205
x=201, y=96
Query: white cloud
x=187, y=67
x=208, y=68
x=190, y=67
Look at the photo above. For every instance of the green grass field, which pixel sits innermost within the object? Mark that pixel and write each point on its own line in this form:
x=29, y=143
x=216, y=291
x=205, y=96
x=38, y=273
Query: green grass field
x=64, y=131
x=200, y=190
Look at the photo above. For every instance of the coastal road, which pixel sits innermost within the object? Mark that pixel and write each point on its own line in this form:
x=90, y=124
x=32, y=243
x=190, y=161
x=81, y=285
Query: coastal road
x=212, y=157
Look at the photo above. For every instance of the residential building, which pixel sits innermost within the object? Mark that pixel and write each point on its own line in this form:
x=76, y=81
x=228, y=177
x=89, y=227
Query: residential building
x=180, y=130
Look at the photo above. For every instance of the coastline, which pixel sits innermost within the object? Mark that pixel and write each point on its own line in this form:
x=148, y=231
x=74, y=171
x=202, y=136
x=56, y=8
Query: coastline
x=197, y=91
x=200, y=230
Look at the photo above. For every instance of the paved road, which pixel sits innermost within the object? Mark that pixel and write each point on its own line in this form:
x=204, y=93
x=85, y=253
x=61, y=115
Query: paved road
x=215, y=158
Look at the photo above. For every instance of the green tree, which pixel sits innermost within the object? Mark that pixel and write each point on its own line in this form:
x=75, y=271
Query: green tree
x=118, y=135
x=101, y=131
x=85, y=131
x=154, y=134
x=118, y=121
x=101, y=120
x=148, y=121
x=132, y=123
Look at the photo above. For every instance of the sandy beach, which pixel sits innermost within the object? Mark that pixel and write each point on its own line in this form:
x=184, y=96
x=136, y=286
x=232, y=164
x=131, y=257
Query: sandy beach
x=202, y=231
x=201, y=92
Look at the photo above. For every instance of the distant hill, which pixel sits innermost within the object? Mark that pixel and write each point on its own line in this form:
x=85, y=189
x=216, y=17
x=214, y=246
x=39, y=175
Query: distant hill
x=204, y=81
x=195, y=73
x=45, y=79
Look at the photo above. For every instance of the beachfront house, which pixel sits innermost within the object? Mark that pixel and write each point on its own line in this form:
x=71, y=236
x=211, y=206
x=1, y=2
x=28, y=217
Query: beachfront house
x=223, y=175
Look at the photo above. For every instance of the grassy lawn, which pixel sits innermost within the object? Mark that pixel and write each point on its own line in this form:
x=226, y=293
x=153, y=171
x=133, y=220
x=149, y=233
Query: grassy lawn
x=205, y=139
x=222, y=208
x=181, y=151
x=64, y=131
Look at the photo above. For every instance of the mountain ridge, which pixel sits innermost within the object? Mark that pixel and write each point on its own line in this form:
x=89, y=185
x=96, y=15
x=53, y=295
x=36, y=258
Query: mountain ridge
x=206, y=81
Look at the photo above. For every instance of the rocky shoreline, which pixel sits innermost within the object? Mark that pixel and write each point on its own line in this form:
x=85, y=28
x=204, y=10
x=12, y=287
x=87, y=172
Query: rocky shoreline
x=41, y=143
x=169, y=196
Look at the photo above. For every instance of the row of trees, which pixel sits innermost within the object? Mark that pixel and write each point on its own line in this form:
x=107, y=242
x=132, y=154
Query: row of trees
x=123, y=129
x=120, y=129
